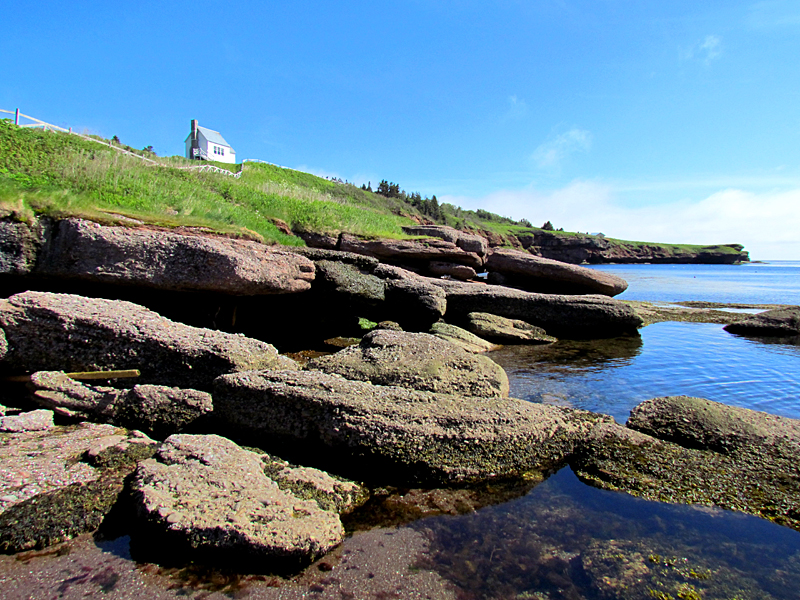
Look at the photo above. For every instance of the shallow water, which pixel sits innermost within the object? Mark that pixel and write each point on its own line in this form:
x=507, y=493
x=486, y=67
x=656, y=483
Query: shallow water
x=565, y=540
x=693, y=359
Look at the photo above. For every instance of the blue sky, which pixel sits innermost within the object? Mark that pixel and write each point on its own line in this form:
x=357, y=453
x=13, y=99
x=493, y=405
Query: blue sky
x=659, y=121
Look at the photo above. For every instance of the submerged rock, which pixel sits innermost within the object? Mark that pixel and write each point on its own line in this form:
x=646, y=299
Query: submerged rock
x=416, y=360
x=392, y=434
x=509, y=331
x=208, y=497
x=47, y=332
x=63, y=481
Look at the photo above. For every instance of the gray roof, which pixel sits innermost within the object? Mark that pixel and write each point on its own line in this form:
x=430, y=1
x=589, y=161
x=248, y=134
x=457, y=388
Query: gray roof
x=212, y=136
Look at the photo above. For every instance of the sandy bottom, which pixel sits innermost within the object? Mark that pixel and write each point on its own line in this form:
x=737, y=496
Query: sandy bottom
x=376, y=564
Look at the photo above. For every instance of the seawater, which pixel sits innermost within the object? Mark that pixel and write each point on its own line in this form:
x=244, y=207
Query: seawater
x=768, y=282
x=567, y=540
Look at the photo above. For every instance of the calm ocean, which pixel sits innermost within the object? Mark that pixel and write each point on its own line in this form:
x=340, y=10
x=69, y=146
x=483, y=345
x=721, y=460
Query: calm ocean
x=773, y=282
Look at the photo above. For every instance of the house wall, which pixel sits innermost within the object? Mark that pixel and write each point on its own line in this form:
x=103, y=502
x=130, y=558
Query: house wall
x=229, y=155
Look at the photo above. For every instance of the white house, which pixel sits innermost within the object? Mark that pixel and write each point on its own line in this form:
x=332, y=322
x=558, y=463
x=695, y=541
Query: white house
x=207, y=144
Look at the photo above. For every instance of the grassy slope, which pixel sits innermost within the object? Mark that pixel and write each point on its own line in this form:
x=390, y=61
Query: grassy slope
x=60, y=174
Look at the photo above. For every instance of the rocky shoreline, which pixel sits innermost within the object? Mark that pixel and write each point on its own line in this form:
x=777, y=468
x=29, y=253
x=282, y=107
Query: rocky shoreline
x=226, y=451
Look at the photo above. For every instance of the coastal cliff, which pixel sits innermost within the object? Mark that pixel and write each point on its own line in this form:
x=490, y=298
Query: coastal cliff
x=578, y=248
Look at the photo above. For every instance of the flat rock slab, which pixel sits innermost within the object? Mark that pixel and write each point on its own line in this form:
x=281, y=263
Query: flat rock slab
x=559, y=315
x=469, y=242
x=405, y=251
x=783, y=322
x=204, y=495
x=725, y=457
x=158, y=410
x=61, y=482
x=537, y=274
x=508, y=331
x=396, y=435
x=64, y=332
x=418, y=361
x=171, y=261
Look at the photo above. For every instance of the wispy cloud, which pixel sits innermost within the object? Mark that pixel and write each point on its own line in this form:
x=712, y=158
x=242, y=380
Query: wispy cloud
x=774, y=13
x=550, y=155
x=707, y=51
x=765, y=222
x=516, y=108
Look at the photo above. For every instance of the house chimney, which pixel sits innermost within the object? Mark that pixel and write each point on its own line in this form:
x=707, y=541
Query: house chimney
x=195, y=142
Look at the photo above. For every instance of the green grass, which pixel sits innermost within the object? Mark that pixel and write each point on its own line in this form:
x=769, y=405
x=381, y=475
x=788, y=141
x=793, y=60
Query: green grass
x=60, y=174
x=57, y=174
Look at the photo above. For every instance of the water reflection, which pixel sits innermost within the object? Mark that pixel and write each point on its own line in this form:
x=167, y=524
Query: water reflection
x=694, y=359
x=565, y=540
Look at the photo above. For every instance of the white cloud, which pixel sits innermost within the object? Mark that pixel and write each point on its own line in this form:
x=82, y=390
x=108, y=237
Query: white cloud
x=707, y=51
x=516, y=108
x=550, y=155
x=767, y=223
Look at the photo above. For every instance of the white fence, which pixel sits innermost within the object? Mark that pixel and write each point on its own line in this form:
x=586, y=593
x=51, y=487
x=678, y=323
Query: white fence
x=203, y=168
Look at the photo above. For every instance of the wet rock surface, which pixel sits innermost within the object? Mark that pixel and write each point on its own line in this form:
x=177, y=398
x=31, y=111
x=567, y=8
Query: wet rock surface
x=388, y=433
x=206, y=496
x=537, y=274
x=507, y=331
x=164, y=259
x=47, y=332
x=63, y=481
x=418, y=361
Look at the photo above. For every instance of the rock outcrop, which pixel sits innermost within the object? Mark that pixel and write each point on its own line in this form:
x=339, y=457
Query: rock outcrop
x=78, y=249
x=699, y=452
x=47, y=332
x=507, y=331
x=403, y=252
x=207, y=497
x=781, y=322
x=543, y=275
x=561, y=316
x=580, y=248
x=469, y=242
x=158, y=410
x=396, y=435
x=417, y=361
x=62, y=481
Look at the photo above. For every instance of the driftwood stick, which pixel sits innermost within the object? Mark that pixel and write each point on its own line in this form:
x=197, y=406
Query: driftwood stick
x=85, y=375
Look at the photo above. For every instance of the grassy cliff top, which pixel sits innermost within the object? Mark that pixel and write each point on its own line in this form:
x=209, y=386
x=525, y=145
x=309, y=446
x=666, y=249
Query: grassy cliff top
x=58, y=174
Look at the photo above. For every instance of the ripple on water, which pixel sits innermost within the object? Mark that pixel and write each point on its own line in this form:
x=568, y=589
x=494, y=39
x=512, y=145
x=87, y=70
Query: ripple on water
x=693, y=359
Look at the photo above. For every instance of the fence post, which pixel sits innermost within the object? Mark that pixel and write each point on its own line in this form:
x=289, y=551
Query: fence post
x=16, y=117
